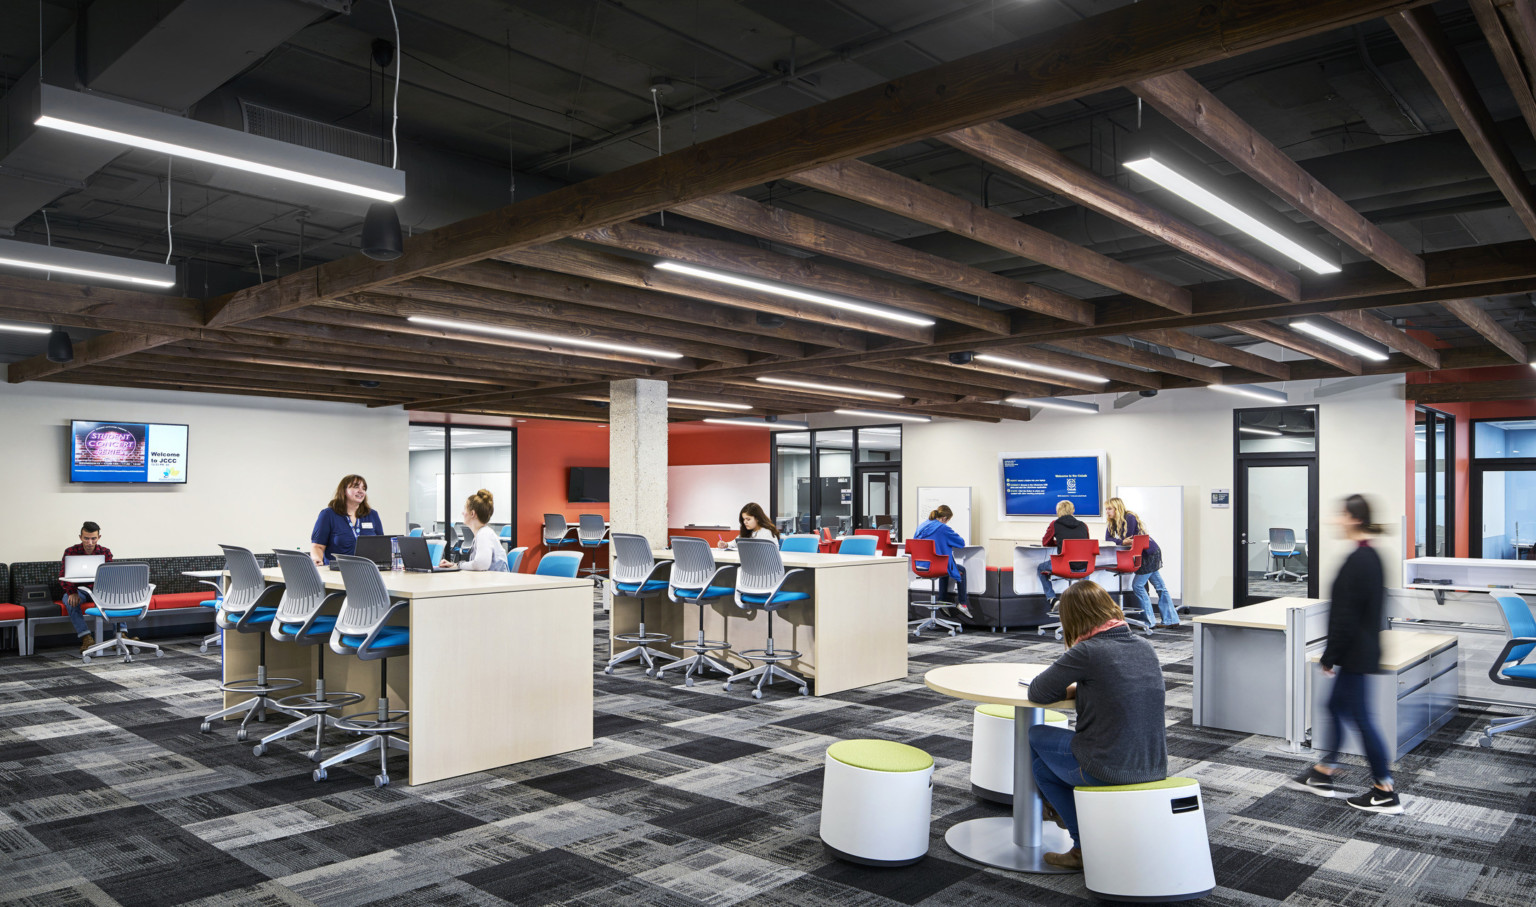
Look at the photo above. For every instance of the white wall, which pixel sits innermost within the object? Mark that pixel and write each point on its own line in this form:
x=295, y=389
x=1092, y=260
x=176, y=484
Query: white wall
x=1182, y=438
x=259, y=469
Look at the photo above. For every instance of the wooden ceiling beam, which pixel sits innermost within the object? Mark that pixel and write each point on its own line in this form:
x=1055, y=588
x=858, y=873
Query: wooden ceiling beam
x=1305, y=345
x=335, y=363
x=142, y=375
x=362, y=356
x=1475, y=317
x=171, y=358
x=925, y=204
x=96, y=350
x=1369, y=325
x=802, y=232
x=951, y=379
x=1055, y=381
x=813, y=276
x=1108, y=349
x=1196, y=345
x=1033, y=160
x=1472, y=391
x=123, y=381
x=528, y=393
x=1510, y=27
x=1197, y=111
x=1053, y=359
x=1421, y=34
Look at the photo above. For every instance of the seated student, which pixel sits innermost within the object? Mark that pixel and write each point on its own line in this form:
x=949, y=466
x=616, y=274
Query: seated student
x=487, y=553
x=755, y=524
x=1065, y=526
x=1123, y=524
x=343, y=520
x=90, y=537
x=1115, y=677
x=945, y=541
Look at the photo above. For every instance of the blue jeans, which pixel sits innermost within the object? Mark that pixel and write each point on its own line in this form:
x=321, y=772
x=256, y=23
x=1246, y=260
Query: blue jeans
x=960, y=593
x=1045, y=583
x=1164, y=600
x=1057, y=772
x=75, y=605
x=1348, y=702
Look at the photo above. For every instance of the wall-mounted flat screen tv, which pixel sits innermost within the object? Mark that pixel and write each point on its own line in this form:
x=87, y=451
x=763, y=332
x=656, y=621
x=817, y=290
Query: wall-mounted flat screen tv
x=1032, y=483
x=132, y=452
x=588, y=485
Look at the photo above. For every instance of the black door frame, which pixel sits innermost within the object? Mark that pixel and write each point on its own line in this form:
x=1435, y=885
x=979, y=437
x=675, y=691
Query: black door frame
x=448, y=506
x=1476, y=466
x=1432, y=483
x=815, y=473
x=1241, y=461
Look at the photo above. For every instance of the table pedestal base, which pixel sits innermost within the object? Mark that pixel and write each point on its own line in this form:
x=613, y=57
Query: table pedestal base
x=990, y=842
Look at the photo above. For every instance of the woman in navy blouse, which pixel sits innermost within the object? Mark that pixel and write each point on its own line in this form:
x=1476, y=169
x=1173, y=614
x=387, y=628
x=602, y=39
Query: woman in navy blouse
x=343, y=520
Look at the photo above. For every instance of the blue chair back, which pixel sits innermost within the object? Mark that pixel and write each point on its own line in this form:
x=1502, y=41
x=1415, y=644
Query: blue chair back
x=515, y=557
x=805, y=544
x=506, y=531
x=559, y=563
x=121, y=590
x=858, y=544
x=435, y=551
x=417, y=533
x=1519, y=620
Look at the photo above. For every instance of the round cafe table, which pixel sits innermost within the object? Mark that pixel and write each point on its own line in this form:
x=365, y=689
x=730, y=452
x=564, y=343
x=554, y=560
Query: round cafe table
x=1019, y=843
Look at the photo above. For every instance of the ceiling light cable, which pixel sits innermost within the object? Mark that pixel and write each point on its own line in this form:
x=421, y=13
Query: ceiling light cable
x=394, y=138
x=170, y=243
x=47, y=230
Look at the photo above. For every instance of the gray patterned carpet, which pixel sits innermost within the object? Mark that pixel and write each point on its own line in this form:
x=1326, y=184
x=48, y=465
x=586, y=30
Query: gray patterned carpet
x=109, y=795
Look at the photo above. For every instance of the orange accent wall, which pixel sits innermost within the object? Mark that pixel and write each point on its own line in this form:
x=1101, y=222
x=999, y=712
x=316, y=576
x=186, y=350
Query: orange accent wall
x=697, y=444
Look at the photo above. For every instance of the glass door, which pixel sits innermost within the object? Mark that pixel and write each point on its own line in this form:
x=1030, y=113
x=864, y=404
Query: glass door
x=448, y=463
x=1503, y=503
x=1434, y=508
x=833, y=492
x=1276, y=519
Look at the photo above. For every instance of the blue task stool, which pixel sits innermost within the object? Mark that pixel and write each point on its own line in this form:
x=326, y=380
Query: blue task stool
x=591, y=532
x=876, y=802
x=122, y=593
x=637, y=575
x=1514, y=666
x=693, y=582
x=557, y=563
x=992, y=751
x=300, y=622
x=249, y=607
x=800, y=544
x=1120, y=819
x=362, y=629
x=556, y=531
x=760, y=587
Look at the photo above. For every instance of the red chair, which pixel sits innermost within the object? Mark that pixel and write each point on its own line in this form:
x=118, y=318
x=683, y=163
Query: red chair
x=1127, y=562
x=826, y=543
x=1077, y=560
x=927, y=565
x=884, y=545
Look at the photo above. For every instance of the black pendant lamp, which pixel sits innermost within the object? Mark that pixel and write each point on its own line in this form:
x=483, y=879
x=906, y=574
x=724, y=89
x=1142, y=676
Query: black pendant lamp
x=60, y=349
x=381, y=232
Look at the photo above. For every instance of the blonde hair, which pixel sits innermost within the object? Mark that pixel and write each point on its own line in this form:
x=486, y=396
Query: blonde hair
x=1117, y=523
x=1065, y=508
x=1086, y=605
x=942, y=513
x=482, y=504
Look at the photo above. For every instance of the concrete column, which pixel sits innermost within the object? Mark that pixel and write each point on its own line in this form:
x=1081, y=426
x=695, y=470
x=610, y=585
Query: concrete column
x=637, y=458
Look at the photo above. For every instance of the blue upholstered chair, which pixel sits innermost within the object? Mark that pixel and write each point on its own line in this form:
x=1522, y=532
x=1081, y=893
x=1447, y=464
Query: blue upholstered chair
x=637, y=575
x=803, y=544
x=1514, y=666
x=859, y=544
x=515, y=558
x=760, y=587
x=250, y=605
x=696, y=580
x=557, y=563
x=122, y=592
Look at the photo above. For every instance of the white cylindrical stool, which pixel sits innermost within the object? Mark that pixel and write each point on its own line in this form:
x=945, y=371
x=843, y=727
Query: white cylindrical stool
x=876, y=798
x=992, y=751
x=1116, y=821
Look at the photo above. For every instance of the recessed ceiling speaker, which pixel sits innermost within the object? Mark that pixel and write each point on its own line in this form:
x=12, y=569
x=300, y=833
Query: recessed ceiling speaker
x=60, y=349
x=962, y=358
x=368, y=384
x=770, y=320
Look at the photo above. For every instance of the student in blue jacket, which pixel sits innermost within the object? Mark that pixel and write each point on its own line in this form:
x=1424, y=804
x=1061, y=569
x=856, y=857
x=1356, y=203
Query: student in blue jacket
x=945, y=541
x=343, y=520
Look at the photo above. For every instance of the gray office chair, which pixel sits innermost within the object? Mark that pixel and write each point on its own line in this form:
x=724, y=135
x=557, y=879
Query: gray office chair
x=1282, y=545
x=556, y=532
x=249, y=607
x=760, y=587
x=362, y=629
x=637, y=575
x=121, y=593
x=299, y=621
x=694, y=582
x=591, y=530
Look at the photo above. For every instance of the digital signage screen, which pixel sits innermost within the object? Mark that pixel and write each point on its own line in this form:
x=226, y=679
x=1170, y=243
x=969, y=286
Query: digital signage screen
x=1033, y=483
x=134, y=452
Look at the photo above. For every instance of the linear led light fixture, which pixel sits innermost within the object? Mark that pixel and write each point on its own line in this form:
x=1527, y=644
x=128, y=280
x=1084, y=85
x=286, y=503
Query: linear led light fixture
x=760, y=423
x=1071, y=406
x=1334, y=338
x=1253, y=390
x=688, y=403
x=832, y=388
x=737, y=280
x=1260, y=431
x=94, y=265
x=24, y=329
x=555, y=339
x=1042, y=369
x=114, y=121
x=875, y=414
x=1161, y=173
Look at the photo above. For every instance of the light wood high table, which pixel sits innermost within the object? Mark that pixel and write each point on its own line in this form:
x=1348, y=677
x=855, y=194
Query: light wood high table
x=851, y=633
x=477, y=699
x=1021, y=842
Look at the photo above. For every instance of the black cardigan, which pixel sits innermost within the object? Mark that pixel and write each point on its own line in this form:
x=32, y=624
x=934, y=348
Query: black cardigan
x=1354, y=618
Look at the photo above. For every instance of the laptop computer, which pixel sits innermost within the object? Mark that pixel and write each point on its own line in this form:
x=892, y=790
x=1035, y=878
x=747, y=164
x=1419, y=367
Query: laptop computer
x=81, y=568
x=418, y=558
x=376, y=548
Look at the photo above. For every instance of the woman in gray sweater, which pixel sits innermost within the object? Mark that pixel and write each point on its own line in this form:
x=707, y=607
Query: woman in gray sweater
x=1118, y=685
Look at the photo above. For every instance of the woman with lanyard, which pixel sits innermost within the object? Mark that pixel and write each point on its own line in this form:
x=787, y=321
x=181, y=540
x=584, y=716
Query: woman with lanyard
x=343, y=520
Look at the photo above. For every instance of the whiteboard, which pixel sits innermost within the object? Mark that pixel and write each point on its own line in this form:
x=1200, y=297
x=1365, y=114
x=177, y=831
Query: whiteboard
x=958, y=497
x=1162, y=507
x=499, y=484
x=714, y=495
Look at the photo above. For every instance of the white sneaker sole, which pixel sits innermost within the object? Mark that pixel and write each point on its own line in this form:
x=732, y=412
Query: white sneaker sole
x=1384, y=810
x=1317, y=791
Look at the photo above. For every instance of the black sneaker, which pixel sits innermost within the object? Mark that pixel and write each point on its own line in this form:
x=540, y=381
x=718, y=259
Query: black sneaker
x=1314, y=782
x=1376, y=800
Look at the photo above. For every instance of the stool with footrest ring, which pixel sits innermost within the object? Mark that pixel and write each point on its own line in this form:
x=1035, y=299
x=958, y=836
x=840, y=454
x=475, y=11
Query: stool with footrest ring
x=1077, y=560
x=249, y=607
x=637, y=575
x=694, y=582
x=760, y=587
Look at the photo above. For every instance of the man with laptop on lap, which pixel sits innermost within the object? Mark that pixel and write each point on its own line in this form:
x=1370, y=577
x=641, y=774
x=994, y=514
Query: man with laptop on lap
x=90, y=546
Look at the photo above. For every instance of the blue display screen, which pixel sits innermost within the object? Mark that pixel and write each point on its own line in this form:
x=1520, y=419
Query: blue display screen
x=1032, y=486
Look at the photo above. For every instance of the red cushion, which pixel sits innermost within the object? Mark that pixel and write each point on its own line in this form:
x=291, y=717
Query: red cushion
x=11, y=612
x=180, y=600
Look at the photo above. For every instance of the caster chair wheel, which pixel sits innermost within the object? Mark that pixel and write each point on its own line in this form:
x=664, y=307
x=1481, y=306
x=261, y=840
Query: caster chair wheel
x=1485, y=742
x=127, y=659
x=159, y=653
x=86, y=659
x=649, y=673
x=381, y=781
x=726, y=688
x=205, y=727
x=687, y=681
x=318, y=774
x=314, y=755
x=757, y=694
x=258, y=749
x=608, y=670
x=241, y=735
x=804, y=691
x=203, y=648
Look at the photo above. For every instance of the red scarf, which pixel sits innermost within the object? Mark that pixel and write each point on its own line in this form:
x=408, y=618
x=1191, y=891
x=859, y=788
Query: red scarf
x=1106, y=625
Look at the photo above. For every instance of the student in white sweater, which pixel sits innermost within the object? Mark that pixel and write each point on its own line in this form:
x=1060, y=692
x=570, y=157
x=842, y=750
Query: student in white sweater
x=755, y=524
x=487, y=553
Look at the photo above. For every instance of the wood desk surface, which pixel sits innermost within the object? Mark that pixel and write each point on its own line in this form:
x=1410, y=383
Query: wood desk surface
x=1268, y=615
x=444, y=585
x=1401, y=648
x=799, y=559
x=995, y=682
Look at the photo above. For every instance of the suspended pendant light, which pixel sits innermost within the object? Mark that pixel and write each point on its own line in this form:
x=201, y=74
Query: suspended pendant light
x=60, y=349
x=381, y=232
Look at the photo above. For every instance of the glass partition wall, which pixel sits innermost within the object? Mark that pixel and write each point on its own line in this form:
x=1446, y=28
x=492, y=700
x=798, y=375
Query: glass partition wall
x=1503, y=503
x=1434, y=507
x=839, y=479
x=448, y=463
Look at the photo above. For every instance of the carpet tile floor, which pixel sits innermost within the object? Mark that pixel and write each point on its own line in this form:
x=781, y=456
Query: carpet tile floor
x=690, y=798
